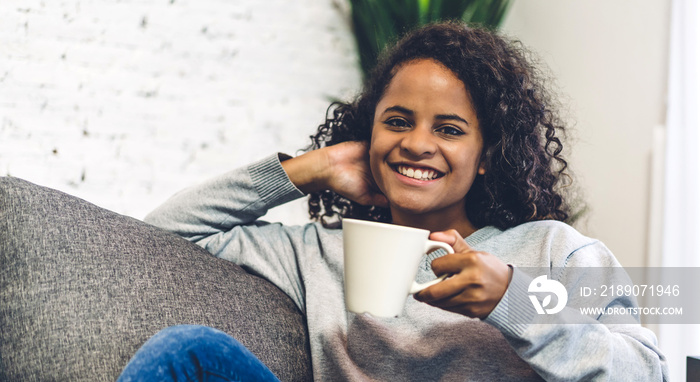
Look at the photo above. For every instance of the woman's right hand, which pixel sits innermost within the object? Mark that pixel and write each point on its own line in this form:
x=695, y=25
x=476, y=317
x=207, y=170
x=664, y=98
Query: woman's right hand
x=342, y=168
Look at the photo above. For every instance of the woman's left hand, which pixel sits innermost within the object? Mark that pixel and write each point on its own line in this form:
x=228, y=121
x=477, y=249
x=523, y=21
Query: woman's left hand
x=476, y=283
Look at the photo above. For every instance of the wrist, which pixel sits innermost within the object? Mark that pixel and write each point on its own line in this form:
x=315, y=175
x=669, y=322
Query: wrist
x=308, y=171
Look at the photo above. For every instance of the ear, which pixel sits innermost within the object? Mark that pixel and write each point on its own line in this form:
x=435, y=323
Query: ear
x=482, y=169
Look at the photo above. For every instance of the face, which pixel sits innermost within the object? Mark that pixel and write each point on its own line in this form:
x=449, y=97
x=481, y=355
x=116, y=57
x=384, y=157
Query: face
x=426, y=144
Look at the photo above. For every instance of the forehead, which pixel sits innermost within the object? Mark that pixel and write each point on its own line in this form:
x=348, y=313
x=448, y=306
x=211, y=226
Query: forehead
x=425, y=83
x=423, y=67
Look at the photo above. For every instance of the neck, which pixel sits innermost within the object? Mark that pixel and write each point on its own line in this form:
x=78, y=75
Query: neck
x=435, y=222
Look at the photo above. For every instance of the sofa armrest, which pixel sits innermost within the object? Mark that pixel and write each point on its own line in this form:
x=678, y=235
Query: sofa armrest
x=82, y=288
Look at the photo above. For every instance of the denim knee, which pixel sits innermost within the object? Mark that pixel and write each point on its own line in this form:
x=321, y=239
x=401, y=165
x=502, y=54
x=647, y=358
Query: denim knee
x=194, y=352
x=191, y=335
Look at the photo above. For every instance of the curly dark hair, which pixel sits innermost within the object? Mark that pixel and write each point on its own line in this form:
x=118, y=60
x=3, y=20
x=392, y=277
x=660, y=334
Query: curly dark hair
x=525, y=171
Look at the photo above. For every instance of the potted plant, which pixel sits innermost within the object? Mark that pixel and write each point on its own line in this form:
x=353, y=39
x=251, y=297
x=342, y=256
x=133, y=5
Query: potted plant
x=377, y=23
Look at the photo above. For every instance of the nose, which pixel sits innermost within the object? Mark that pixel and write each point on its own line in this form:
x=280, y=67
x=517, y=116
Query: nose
x=419, y=142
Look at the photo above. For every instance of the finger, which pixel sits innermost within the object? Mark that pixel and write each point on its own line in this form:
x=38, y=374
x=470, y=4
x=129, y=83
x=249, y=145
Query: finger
x=451, y=287
x=451, y=302
x=436, y=293
x=453, y=238
x=469, y=301
x=463, y=263
x=471, y=309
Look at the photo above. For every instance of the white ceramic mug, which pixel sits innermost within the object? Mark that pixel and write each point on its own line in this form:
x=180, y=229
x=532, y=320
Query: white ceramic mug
x=381, y=263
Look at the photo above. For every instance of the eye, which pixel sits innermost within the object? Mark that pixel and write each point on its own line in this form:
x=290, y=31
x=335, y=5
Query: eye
x=397, y=122
x=450, y=130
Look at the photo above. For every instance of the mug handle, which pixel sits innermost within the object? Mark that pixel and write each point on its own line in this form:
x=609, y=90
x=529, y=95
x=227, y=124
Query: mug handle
x=431, y=245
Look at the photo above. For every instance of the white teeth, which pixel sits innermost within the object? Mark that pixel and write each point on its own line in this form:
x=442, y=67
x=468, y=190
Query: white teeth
x=417, y=174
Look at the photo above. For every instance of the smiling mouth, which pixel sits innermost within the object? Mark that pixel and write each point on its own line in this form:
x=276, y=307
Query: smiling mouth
x=418, y=173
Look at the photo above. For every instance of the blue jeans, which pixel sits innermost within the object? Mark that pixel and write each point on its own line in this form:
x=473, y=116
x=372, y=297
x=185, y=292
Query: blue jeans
x=194, y=353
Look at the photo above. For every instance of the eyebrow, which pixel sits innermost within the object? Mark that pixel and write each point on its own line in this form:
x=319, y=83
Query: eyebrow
x=443, y=117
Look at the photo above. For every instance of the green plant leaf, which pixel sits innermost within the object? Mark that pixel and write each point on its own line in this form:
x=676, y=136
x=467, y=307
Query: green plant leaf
x=378, y=23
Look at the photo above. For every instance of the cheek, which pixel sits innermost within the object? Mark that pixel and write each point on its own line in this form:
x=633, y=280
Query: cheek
x=469, y=168
x=375, y=160
x=377, y=154
x=376, y=147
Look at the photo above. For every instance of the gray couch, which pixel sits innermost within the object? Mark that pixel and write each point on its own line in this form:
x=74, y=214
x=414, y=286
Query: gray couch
x=82, y=288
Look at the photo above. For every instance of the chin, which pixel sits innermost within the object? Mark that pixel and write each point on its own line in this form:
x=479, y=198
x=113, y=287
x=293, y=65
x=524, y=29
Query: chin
x=411, y=208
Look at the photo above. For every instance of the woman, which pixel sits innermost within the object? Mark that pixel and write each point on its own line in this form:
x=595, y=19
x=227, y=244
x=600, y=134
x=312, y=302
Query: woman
x=453, y=133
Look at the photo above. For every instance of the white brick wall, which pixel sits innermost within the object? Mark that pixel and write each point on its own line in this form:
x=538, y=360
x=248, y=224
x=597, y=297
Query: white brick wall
x=125, y=102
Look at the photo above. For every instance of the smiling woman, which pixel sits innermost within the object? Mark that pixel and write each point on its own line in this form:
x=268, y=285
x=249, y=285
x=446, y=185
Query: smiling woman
x=455, y=134
x=426, y=147
x=522, y=173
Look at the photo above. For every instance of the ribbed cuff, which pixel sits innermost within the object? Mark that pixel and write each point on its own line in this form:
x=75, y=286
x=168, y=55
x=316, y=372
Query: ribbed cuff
x=514, y=313
x=271, y=181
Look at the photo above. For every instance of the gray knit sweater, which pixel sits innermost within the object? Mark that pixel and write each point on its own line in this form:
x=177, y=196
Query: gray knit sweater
x=424, y=343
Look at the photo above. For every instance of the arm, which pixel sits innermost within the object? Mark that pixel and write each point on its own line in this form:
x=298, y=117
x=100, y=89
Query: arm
x=342, y=168
x=561, y=347
x=569, y=346
x=243, y=195
x=221, y=214
x=238, y=197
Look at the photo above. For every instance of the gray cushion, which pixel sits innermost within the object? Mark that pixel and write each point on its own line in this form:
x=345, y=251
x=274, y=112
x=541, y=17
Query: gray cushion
x=82, y=288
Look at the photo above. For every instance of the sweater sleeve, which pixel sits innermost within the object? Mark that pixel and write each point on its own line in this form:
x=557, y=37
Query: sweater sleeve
x=221, y=215
x=571, y=346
